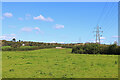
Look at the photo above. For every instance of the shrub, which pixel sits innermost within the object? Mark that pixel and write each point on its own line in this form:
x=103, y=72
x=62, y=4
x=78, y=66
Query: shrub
x=118, y=50
x=81, y=51
x=93, y=48
x=16, y=45
x=112, y=49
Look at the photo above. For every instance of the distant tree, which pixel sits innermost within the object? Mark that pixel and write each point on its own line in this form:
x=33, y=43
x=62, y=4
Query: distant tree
x=115, y=42
x=14, y=40
x=112, y=49
x=16, y=45
x=19, y=41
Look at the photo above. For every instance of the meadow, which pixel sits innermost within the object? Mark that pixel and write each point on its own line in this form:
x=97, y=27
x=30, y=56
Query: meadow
x=57, y=63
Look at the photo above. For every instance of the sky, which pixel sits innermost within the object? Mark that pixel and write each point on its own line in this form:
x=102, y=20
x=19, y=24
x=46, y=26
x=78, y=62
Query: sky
x=62, y=22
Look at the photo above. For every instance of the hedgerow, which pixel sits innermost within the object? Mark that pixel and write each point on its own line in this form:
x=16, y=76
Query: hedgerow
x=94, y=48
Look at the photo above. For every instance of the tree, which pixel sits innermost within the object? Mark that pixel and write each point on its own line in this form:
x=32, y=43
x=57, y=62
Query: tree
x=16, y=45
x=14, y=40
x=115, y=42
x=112, y=49
x=19, y=41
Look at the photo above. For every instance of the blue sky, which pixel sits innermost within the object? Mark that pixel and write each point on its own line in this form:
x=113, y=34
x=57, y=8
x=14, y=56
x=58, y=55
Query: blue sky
x=68, y=22
x=60, y=0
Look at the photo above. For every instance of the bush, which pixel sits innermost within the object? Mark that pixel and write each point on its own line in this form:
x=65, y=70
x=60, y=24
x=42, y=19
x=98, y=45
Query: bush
x=118, y=50
x=112, y=49
x=16, y=45
x=93, y=48
x=81, y=51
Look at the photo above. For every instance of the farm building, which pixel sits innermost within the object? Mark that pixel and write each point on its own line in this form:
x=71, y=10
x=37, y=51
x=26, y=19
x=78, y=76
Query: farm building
x=23, y=44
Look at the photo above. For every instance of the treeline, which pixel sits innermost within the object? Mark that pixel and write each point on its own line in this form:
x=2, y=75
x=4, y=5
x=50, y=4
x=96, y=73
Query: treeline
x=37, y=45
x=94, y=48
x=22, y=48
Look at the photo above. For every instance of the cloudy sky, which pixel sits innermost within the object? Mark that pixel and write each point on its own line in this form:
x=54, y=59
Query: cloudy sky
x=59, y=22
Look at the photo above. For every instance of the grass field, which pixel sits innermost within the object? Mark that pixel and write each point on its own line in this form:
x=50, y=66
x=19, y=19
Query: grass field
x=57, y=63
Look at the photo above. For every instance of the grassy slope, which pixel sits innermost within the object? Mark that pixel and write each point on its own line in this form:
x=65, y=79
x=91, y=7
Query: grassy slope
x=58, y=63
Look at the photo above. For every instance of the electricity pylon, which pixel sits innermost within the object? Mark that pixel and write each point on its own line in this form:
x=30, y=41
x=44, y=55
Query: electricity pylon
x=98, y=35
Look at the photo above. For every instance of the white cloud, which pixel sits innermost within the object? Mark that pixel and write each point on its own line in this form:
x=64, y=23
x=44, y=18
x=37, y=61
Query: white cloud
x=102, y=37
x=101, y=40
x=94, y=41
x=43, y=18
x=20, y=18
x=7, y=36
x=27, y=29
x=13, y=34
x=53, y=42
x=58, y=26
x=61, y=42
x=39, y=18
x=8, y=14
x=57, y=42
x=2, y=37
x=10, y=34
x=115, y=36
x=49, y=19
x=37, y=28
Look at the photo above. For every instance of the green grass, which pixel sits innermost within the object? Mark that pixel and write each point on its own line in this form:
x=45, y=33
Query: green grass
x=5, y=46
x=57, y=63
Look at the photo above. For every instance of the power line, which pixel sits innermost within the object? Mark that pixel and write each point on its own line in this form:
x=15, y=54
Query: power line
x=102, y=13
x=108, y=13
x=110, y=20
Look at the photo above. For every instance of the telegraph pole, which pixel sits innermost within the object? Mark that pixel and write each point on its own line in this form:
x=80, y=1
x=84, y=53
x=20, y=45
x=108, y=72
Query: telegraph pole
x=98, y=35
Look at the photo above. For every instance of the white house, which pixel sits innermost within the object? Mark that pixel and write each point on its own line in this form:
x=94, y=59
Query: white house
x=23, y=44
